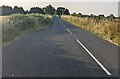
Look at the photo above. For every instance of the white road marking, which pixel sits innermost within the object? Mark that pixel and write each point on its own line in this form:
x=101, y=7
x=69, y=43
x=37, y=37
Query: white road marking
x=62, y=23
x=12, y=75
x=107, y=72
x=69, y=31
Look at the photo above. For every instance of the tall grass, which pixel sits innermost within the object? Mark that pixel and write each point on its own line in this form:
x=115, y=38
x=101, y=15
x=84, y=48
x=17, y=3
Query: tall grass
x=16, y=25
x=105, y=28
x=0, y=31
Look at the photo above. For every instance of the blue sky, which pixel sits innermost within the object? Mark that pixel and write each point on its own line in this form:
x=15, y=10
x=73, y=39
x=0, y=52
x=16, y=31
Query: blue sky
x=105, y=7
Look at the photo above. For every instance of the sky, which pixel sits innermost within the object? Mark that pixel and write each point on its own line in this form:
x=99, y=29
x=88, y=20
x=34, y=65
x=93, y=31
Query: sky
x=105, y=7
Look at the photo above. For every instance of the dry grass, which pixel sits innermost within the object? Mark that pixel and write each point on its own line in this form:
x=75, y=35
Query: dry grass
x=2, y=17
x=1, y=31
x=104, y=28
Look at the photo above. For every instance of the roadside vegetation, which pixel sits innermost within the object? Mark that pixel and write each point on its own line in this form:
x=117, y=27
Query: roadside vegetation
x=104, y=27
x=0, y=32
x=15, y=25
x=16, y=21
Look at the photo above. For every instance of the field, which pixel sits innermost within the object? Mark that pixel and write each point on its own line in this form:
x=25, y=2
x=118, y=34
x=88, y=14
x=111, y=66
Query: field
x=105, y=28
x=15, y=25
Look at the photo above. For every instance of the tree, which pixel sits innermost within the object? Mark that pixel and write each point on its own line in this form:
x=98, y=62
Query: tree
x=6, y=10
x=111, y=16
x=18, y=10
x=49, y=10
x=84, y=16
x=26, y=11
x=36, y=10
x=80, y=14
x=101, y=16
x=66, y=12
x=60, y=10
x=74, y=14
x=91, y=16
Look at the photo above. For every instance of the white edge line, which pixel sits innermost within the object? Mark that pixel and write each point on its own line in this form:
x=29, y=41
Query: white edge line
x=108, y=73
x=69, y=31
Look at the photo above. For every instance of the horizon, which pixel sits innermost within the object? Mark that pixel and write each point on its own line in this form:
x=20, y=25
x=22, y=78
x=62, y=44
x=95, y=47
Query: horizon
x=87, y=8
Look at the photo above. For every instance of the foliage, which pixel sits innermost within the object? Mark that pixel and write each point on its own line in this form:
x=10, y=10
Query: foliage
x=18, y=10
x=49, y=10
x=18, y=24
x=104, y=27
x=6, y=10
x=62, y=11
x=36, y=10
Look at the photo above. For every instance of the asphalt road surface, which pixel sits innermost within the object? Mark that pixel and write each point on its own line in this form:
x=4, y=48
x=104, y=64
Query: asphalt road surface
x=62, y=50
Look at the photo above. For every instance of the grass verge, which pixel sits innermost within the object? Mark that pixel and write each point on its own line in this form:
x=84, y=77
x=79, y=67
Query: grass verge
x=105, y=28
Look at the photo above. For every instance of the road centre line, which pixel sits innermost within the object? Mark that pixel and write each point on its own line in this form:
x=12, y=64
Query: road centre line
x=69, y=31
x=107, y=72
x=94, y=58
x=66, y=28
x=62, y=23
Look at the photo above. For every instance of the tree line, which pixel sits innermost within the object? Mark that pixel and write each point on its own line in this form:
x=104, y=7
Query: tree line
x=7, y=10
x=100, y=16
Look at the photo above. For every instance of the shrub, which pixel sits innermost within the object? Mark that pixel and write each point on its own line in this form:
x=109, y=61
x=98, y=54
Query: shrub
x=17, y=24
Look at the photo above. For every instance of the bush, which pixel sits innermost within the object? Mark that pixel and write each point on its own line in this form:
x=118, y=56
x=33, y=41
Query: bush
x=18, y=24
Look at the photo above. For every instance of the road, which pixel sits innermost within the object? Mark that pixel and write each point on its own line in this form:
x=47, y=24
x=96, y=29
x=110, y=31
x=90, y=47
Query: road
x=62, y=50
